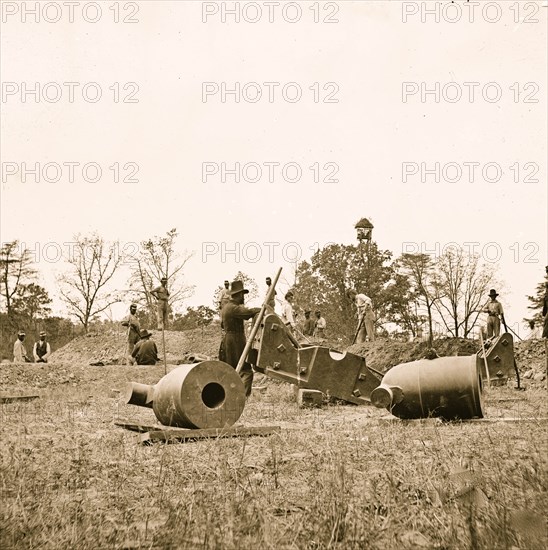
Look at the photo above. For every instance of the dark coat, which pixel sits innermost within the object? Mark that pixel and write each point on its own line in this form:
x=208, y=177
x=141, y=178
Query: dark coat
x=233, y=316
x=145, y=352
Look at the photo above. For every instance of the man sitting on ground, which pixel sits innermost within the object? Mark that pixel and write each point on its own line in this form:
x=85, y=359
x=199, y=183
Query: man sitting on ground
x=41, y=349
x=145, y=351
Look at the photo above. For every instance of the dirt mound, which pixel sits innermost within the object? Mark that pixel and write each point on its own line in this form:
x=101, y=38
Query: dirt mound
x=110, y=347
x=60, y=376
x=383, y=354
x=531, y=359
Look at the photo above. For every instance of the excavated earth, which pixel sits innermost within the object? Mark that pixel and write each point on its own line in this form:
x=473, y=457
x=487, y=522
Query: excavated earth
x=98, y=359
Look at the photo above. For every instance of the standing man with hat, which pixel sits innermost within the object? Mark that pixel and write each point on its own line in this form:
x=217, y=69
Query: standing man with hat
x=233, y=316
x=161, y=294
x=133, y=325
x=19, y=351
x=41, y=349
x=145, y=351
x=495, y=314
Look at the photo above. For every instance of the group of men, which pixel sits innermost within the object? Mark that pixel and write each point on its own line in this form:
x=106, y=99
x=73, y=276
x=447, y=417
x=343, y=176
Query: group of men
x=40, y=351
x=313, y=327
x=233, y=314
x=310, y=327
x=141, y=347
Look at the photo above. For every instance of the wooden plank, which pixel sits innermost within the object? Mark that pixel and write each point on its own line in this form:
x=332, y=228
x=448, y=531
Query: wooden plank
x=6, y=398
x=471, y=420
x=182, y=435
x=141, y=428
x=507, y=419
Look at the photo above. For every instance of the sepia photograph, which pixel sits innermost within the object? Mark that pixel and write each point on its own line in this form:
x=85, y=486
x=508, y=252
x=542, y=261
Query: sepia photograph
x=274, y=275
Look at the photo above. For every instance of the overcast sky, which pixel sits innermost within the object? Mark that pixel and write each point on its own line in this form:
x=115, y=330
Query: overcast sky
x=361, y=122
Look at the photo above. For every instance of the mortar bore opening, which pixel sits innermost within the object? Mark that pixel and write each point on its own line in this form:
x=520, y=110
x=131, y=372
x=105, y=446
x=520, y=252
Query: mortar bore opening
x=213, y=395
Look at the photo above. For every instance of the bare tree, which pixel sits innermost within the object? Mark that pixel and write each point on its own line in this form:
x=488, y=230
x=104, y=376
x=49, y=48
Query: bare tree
x=419, y=269
x=15, y=269
x=461, y=282
x=158, y=258
x=83, y=288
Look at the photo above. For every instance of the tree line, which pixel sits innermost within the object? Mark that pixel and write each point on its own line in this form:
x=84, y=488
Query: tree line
x=408, y=293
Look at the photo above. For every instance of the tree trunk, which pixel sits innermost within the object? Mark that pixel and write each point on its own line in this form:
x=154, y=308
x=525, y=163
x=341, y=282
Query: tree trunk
x=430, y=335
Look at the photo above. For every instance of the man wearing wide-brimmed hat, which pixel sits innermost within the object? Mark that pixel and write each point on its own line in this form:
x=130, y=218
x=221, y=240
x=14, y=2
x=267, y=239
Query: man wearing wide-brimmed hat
x=19, y=351
x=145, y=351
x=233, y=316
x=161, y=294
x=41, y=349
x=495, y=314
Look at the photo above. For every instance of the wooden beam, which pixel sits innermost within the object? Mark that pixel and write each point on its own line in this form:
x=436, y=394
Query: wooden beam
x=141, y=428
x=6, y=398
x=182, y=435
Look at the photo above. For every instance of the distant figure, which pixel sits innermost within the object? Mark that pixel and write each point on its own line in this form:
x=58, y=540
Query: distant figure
x=133, y=331
x=41, y=349
x=495, y=314
x=287, y=312
x=224, y=297
x=308, y=326
x=319, y=325
x=272, y=301
x=366, y=316
x=162, y=295
x=145, y=351
x=19, y=351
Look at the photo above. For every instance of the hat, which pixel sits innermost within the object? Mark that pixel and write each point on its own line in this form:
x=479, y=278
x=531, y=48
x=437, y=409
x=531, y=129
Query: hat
x=133, y=306
x=307, y=311
x=289, y=293
x=237, y=287
x=318, y=312
x=43, y=333
x=493, y=292
x=145, y=333
x=21, y=333
x=163, y=279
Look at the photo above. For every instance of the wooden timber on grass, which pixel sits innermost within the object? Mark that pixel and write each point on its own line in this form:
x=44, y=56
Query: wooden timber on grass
x=181, y=435
x=494, y=420
x=141, y=428
x=6, y=397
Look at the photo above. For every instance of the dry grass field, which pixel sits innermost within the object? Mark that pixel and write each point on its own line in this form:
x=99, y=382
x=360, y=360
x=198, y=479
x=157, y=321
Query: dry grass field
x=340, y=477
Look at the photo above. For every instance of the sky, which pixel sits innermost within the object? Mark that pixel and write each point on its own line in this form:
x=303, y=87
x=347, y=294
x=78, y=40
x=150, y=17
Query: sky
x=260, y=141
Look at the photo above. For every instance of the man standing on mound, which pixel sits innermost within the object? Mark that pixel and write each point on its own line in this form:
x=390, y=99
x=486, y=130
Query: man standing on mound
x=161, y=294
x=495, y=315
